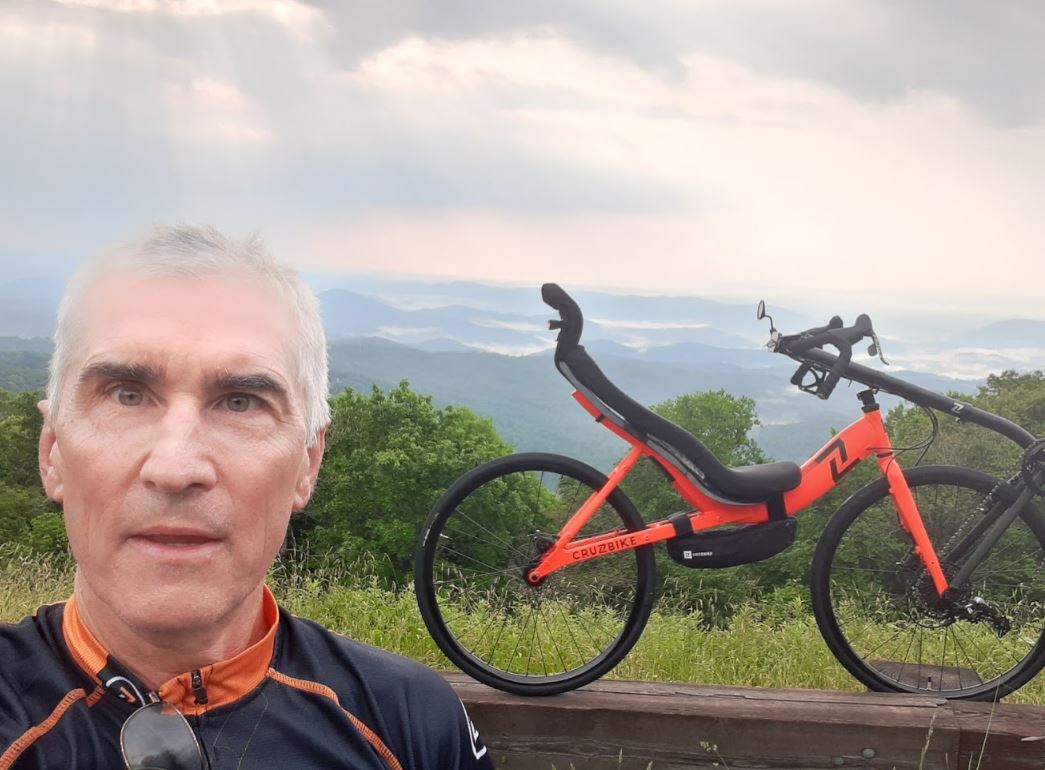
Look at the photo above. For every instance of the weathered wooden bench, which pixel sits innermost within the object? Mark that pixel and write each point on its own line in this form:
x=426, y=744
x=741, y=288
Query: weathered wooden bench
x=613, y=725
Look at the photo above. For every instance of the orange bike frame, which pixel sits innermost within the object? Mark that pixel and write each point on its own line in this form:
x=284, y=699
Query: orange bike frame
x=863, y=438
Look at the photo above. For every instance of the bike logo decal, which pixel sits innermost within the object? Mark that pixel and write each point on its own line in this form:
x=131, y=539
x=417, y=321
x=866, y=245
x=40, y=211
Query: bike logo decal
x=957, y=408
x=838, y=464
x=125, y=690
x=694, y=554
x=617, y=544
x=478, y=749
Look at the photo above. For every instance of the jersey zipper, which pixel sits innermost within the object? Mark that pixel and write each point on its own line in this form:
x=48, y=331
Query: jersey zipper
x=198, y=690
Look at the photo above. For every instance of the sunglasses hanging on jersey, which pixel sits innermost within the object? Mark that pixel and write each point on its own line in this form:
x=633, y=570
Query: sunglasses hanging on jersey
x=158, y=737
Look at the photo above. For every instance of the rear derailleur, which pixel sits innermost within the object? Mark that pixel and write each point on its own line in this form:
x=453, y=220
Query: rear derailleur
x=976, y=610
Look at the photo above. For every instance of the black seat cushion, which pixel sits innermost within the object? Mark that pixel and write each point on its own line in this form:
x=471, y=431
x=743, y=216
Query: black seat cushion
x=750, y=483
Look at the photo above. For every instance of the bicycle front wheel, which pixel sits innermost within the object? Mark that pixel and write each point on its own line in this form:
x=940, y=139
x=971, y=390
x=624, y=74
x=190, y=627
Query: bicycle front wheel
x=477, y=543
x=880, y=614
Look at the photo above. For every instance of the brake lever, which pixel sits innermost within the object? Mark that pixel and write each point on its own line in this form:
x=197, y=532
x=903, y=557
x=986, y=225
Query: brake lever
x=875, y=348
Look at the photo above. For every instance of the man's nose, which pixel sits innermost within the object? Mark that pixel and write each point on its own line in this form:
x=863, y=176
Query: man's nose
x=179, y=457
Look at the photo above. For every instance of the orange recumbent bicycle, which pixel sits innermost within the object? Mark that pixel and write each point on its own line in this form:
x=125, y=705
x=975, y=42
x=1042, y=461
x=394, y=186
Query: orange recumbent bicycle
x=535, y=573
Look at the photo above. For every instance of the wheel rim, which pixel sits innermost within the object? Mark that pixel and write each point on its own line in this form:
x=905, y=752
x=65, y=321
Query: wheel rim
x=558, y=631
x=887, y=610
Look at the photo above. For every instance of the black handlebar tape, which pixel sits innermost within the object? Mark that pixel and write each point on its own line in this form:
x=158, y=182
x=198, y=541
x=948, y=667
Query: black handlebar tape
x=569, y=312
x=860, y=329
x=802, y=344
x=845, y=353
x=842, y=338
x=834, y=323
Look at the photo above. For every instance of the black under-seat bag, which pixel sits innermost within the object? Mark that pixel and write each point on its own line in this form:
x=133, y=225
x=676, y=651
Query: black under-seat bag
x=728, y=548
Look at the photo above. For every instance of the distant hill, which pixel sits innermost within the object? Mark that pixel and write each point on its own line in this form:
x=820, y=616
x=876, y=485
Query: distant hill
x=445, y=339
x=40, y=345
x=1016, y=333
x=530, y=402
x=22, y=371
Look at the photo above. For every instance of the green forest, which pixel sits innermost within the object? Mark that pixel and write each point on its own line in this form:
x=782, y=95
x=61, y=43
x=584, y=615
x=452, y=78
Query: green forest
x=391, y=454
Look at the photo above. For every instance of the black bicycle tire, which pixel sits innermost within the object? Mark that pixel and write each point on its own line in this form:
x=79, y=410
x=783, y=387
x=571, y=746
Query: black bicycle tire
x=425, y=589
x=846, y=515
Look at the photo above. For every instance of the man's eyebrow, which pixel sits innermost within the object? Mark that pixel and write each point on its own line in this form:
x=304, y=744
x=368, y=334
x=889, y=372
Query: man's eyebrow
x=113, y=370
x=252, y=383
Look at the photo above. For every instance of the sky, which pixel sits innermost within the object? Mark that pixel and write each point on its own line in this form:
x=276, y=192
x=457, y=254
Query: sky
x=838, y=152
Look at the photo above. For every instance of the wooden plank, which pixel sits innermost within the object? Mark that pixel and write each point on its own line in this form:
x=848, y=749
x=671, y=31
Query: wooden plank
x=1015, y=736
x=613, y=725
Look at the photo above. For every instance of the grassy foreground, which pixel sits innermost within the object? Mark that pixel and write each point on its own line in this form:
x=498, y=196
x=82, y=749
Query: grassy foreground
x=778, y=649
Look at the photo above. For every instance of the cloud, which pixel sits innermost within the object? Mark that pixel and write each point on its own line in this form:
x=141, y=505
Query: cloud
x=610, y=324
x=517, y=326
x=298, y=17
x=539, y=61
x=399, y=332
x=21, y=35
x=786, y=184
x=875, y=51
x=802, y=152
x=512, y=350
x=209, y=109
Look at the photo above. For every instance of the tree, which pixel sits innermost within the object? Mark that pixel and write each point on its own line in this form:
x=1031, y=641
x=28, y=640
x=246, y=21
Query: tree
x=389, y=456
x=720, y=421
x=1019, y=397
x=1015, y=396
x=24, y=508
x=20, y=424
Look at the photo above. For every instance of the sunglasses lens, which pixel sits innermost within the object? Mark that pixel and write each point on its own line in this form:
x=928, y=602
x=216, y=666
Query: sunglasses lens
x=157, y=737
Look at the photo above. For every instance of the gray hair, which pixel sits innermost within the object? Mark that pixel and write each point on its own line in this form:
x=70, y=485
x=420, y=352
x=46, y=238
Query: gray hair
x=192, y=252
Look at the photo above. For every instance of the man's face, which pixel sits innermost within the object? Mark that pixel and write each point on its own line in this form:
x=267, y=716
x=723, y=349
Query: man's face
x=179, y=450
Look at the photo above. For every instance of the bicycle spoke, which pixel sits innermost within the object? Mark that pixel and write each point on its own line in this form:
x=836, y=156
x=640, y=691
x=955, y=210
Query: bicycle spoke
x=496, y=538
x=907, y=652
x=492, y=619
x=569, y=628
x=477, y=561
x=497, y=641
x=886, y=607
x=557, y=648
x=529, y=654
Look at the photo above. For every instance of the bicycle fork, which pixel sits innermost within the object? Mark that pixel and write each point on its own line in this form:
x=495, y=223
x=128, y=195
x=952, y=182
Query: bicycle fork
x=982, y=538
x=911, y=520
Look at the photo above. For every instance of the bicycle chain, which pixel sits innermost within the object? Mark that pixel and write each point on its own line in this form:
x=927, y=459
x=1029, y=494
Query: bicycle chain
x=1030, y=466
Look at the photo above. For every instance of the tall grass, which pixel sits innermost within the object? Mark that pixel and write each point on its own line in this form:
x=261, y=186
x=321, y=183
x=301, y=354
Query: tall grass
x=762, y=646
x=27, y=582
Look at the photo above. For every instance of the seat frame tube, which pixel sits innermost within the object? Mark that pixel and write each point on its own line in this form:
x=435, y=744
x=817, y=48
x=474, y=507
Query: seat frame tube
x=820, y=474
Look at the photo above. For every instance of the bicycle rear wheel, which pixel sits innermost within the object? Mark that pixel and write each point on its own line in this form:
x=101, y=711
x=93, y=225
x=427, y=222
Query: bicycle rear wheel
x=880, y=615
x=468, y=576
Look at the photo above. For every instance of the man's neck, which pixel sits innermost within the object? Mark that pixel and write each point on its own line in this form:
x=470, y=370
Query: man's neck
x=157, y=655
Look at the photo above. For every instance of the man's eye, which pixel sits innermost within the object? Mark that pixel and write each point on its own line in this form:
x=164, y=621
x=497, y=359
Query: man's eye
x=241, y=403
x=127, y=396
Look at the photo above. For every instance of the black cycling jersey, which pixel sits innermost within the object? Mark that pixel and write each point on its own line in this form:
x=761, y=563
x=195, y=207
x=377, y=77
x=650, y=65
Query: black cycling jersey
x=301, y=697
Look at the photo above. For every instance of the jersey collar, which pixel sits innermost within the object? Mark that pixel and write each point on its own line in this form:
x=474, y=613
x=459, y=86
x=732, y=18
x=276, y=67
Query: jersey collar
x=217, y=684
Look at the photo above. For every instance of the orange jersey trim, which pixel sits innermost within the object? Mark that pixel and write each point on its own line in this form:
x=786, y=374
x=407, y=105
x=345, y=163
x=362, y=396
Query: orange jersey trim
x=85, y=649
x=323, y=691
x=30, y=736
x=228, y=680
x=225, y=681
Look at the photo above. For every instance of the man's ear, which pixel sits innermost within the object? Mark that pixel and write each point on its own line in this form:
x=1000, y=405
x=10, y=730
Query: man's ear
x=48, y=456
x=309, y=471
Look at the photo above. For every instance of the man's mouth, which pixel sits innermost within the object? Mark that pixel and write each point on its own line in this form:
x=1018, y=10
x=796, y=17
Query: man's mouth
x=169, y=541
x=178, y=539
